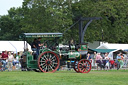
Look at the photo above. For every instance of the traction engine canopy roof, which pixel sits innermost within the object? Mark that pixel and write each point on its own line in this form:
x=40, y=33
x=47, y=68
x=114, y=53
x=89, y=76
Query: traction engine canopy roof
x=42, y=35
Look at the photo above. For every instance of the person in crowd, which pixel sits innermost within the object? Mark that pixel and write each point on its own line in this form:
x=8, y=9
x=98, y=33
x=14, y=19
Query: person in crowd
x=1, y=62
x=39, y=44
x=4, y=58
x=95, y=54
x=10, y=61
x=122, y=60
x=93, y=59
x=71, y=45
x=34, y=45
x=119, y=59
x=99, y=61
x=16, y=60
x=112, y=63
x=106, y=60
x=125, y=60
x=89, y=57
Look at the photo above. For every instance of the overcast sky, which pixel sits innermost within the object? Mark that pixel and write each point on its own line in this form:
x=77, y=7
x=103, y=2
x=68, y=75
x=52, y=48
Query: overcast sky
x=5, y=5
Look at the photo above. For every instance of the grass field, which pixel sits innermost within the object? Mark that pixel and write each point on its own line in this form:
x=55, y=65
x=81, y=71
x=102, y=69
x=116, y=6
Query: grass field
x=112, y=77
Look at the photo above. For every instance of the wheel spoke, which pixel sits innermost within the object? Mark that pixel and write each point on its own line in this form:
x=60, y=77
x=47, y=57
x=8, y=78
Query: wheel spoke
x=48, y=56
x=52, y=58
x=46, y=67
x=81, y=63
x=83, y=69
x=45, y=57
x=55, y=63
x=85, y=63
x=86, y=69
x=51, y=67
x=42, y=64
x=80, y=66
x=42, y=61
x=42, y=58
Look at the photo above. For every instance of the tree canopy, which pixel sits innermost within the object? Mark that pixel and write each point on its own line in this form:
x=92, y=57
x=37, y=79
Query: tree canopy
x=58, y=15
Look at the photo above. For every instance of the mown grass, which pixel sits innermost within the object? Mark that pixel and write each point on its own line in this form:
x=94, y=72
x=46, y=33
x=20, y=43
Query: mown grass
x=112, y=77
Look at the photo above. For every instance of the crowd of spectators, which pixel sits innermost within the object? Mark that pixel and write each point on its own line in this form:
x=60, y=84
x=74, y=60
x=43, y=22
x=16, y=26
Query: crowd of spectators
x=105, y=62
x=9, y=60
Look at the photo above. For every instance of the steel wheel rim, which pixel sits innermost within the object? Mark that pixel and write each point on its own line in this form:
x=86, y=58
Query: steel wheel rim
x=84, y=66
x=48, y=62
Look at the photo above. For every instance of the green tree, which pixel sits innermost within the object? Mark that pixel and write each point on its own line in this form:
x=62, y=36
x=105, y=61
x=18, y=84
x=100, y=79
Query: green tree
x=10, y=27
x=45, y=16
x=114, y=19
x=58, y=15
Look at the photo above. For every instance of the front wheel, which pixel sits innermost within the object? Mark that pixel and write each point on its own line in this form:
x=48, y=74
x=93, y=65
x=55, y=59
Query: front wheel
x=84, y=66
x=48, y=62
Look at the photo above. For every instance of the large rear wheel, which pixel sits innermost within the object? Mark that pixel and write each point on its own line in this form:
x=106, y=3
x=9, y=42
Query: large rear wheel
x=48, y=62
x=84, y=66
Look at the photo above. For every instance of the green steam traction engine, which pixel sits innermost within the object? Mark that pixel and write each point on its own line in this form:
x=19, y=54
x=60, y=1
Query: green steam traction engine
x=53, y=56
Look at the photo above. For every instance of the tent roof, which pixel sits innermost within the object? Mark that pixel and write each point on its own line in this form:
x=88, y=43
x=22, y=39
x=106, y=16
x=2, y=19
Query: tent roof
x=118, y=51
x=5, y=45
x=111, y=54
x=13, y=46
x=113, y=46
x=103, y=50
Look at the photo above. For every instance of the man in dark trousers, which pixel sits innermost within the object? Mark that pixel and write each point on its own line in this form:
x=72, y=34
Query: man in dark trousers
x=38, y=45
x=34, y=48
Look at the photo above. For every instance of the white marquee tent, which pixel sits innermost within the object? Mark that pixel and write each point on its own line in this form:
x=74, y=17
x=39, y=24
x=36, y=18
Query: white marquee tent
x=113, y=46
x=15, y=46
x=112, y=55
x=119, y=48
